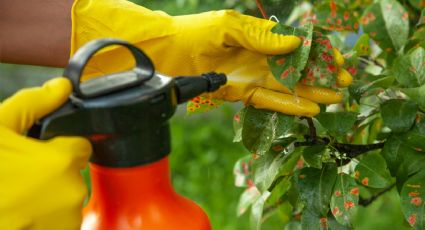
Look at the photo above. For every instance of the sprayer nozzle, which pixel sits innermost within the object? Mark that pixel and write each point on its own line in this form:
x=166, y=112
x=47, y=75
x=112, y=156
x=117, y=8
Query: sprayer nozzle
x=190, y=87
x=215, y=80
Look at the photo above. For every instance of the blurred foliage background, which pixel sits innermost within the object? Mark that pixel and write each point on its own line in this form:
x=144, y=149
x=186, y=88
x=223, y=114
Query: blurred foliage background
x=203, y=152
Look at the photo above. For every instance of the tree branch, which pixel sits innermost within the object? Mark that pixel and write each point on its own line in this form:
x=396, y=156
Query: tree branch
x=366, y=202
x=311, y=127
x=350, y=150
x=261, y=8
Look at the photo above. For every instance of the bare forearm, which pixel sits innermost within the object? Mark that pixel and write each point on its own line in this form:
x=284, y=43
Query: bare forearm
x=35, y=32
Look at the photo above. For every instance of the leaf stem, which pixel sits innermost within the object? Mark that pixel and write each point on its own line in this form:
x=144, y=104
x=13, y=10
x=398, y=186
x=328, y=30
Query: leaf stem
x=366, y=202
x=261, y=8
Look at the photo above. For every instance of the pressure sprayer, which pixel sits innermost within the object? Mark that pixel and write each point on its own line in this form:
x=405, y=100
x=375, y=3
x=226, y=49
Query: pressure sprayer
x=125, y=116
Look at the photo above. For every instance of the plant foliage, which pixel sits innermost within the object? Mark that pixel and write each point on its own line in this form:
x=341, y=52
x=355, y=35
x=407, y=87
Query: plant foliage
x=314, y=173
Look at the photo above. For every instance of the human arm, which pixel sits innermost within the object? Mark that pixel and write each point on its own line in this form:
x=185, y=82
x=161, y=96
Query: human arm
x=35, y=32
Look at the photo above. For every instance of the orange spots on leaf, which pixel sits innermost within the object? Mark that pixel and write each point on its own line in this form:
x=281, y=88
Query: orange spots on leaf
x=338, y=21
x=337, y=193
x=284, y=74
x=346, y=15
x=278, y=148
x=331, y=68
x=324, y=222
x=412, y=219
x=301, y=176
x=326, y=57
x=237, y=118
x=300, y=163
x=417, y=201
x=405, y=16
x=250, y=183
x=389, y=50
x=280, y=61
x=373, y=34
x=348, y=205
x=364, y=20
x=356, y=174
x=354, y=191
x=365, y=181
x=335, y=211
x=356, y=26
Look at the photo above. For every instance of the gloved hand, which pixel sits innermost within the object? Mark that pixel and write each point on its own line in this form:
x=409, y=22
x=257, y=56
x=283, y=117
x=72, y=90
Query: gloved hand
x=40, y=182
x=221, y=41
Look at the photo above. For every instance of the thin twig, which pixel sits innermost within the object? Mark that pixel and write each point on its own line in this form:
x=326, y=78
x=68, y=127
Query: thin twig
x=350, y=150
x=311, y=127
x=366, y=202
x=261, y=8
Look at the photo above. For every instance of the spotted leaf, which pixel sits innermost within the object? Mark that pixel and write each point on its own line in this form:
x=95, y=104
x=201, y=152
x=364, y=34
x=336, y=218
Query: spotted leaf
x=409, y=69
x=202, y=104
x=287, y=68
x=261, y=128
x=345, y=198
x=331, y=15
x=371, y=171
x=362, y=46
x=387, y=23
x=412, y=200
x=321, y=69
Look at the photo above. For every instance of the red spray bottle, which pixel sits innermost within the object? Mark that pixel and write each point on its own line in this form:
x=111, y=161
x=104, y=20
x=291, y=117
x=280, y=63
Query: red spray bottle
x=125, y=116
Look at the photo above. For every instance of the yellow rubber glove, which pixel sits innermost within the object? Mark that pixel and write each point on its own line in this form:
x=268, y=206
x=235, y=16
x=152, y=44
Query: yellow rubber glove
x=221, y=41
x=40, y=182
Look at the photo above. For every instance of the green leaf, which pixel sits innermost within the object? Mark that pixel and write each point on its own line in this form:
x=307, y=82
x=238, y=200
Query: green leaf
x=417, y=95
x=315, y=186
x=409, y=69
x=393, y=153
x=313, y=155
x=287, y=68
x=387, y=23
x=262, y=127
x=331, y=15
x=415, y=138
x=337, y=123
x=362, y=46
x=399, y=114
x=321, y=69
x=372, y=171
x=412, y=200
x=266, y=169
x=345, y=198
x=257, y=210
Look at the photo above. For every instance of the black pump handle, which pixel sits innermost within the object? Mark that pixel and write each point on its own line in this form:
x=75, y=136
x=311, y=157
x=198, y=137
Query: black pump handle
x=144, y=68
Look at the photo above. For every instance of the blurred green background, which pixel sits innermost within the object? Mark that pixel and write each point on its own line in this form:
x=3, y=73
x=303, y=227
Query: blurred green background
x=203, y=152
